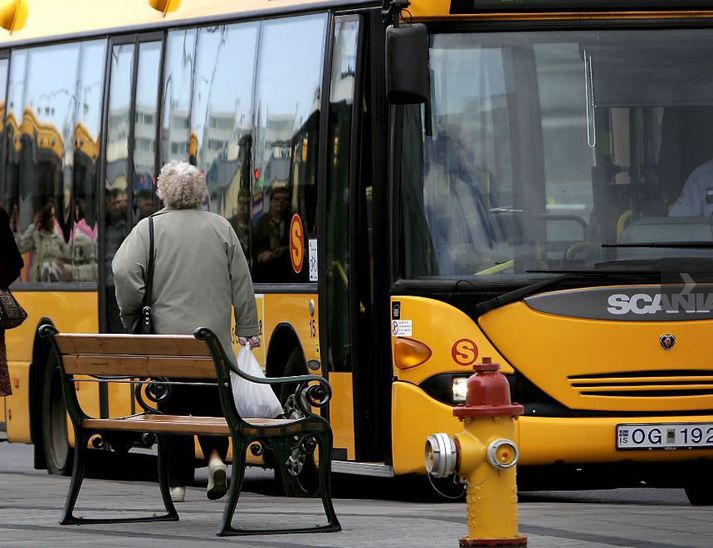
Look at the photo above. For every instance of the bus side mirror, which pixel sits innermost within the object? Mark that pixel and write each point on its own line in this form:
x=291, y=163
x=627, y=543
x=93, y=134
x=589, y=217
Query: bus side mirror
x=407, y=72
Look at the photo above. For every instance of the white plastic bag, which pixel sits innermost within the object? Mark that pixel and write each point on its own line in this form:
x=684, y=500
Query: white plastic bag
x=253, y=399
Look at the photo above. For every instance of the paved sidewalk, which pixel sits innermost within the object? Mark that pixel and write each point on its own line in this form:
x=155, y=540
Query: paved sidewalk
x=31, y=501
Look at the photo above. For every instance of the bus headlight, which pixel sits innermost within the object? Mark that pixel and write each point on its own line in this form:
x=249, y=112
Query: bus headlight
x=448, y=388
x=459, y=389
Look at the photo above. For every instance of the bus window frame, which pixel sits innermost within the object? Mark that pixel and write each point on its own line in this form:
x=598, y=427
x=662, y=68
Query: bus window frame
x=4, y=54
x=136, y=40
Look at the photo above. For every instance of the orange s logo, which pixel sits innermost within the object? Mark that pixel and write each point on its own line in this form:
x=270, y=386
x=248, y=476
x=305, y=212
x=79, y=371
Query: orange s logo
x=464, y=352
x=297, y=243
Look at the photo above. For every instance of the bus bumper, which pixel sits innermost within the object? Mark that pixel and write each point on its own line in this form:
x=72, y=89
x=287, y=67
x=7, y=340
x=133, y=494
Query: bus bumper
x=543, y=440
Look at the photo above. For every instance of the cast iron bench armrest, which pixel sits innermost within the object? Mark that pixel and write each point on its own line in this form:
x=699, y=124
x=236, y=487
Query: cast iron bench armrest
x=307, y=394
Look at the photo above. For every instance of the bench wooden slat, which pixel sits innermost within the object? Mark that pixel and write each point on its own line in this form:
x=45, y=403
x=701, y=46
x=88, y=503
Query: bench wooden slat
x=175, y=424
x=144, y=345
x=140, y=366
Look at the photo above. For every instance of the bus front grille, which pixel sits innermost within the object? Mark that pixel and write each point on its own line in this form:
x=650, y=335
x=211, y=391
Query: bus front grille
x=645, y=384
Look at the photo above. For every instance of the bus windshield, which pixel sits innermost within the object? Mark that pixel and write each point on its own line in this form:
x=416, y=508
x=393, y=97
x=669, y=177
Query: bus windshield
x=551, y=151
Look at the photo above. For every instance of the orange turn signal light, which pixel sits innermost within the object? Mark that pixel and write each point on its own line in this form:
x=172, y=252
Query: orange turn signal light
x=164, y=6
x=13, y=14
x=410, y=353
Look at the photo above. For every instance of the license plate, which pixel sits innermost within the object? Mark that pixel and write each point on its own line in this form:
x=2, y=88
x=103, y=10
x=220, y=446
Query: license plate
x=664, y=436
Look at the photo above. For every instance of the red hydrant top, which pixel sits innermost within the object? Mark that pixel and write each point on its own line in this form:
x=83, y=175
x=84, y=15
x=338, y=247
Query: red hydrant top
x=488, y=394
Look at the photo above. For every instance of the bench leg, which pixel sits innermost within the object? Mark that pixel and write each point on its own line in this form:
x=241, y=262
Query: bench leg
x=325, y=480
x=236, y=484
x=281, y=447
x=80, y=460
x=163, y=479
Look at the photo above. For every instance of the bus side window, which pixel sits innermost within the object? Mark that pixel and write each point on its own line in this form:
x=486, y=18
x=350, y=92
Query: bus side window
x=50, y=176
x=220, y=143
x=286, y=146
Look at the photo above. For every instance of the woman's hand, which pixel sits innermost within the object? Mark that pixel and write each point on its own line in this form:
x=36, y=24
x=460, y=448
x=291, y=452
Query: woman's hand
x=254, y=341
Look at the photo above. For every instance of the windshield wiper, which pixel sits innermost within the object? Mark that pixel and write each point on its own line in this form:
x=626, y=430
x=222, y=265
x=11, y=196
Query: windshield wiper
x=531, y=289
x=672, y=245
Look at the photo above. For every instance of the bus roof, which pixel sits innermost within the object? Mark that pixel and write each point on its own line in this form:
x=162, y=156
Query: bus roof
x=49, y=20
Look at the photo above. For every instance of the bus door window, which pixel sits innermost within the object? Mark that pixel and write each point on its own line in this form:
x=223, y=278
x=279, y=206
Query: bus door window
x=90, y=88
x=339, y=219
x=180, y=58
x=222, y=122
x=128, y=123
x=116, y=206
x=145, y=125
x=287, y=129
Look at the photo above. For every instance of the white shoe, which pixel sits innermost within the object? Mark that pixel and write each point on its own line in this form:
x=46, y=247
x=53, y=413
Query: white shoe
x=217, y=479
x=178, y=494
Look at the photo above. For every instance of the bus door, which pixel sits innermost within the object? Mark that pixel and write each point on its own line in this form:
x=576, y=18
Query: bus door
x=131, y=153
x=347, y=298
x=130, y=167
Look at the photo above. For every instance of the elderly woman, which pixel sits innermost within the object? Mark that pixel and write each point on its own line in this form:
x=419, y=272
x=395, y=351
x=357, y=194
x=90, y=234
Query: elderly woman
x=199, y=272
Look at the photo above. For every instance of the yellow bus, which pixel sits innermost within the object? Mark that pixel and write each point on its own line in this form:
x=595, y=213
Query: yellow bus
x=526, y=181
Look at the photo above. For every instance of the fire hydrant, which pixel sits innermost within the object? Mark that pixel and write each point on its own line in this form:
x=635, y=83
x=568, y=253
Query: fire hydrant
x=484, y=456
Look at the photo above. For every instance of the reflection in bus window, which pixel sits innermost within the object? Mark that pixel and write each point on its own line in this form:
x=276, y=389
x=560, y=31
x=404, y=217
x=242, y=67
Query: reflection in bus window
x=83, y=237
x=221, y=120
x=116, y=200
x=270, y=238
x=180, y=55
x=288, y=95
x=45, y=243
x=52, y=137
x=336, y=239
x=145, y=124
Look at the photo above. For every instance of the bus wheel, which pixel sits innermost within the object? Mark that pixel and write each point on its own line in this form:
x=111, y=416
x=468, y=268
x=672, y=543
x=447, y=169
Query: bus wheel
x=700, y=494
x=58, y=453
x=299, y=475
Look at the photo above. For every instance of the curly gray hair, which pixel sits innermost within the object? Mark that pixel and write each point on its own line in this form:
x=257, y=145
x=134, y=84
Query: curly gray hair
x=181, y=186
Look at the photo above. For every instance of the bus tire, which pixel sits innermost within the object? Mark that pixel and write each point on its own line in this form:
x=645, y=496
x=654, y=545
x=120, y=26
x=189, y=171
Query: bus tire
x=700, y=494
x=57, y=451
x=306, y=483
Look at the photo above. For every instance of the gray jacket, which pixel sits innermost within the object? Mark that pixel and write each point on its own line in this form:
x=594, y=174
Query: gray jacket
x=199, y=272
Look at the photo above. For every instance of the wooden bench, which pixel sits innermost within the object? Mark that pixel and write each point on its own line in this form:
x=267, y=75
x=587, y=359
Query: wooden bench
x=151, y=361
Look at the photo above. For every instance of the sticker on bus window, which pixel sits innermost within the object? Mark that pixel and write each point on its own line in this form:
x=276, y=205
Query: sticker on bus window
x=297, y=243
x=312, y=248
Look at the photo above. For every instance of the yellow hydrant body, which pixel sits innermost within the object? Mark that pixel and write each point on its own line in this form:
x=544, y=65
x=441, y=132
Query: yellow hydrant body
x=486, y=454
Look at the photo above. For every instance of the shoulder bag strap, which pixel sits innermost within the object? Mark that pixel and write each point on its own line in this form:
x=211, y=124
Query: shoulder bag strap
x=149, y=277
